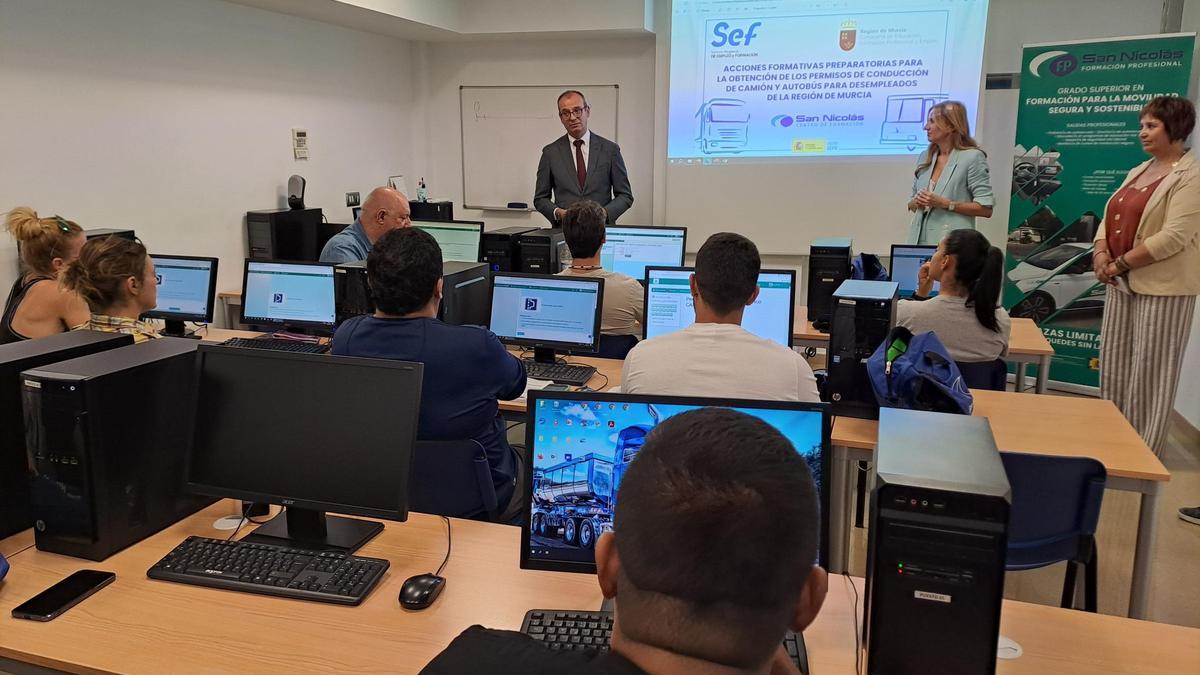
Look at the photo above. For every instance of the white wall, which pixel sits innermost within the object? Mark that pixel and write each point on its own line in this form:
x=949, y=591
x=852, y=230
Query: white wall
x=173, y=117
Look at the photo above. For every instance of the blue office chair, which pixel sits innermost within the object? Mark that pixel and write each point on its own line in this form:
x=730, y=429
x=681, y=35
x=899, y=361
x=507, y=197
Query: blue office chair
x=1055, y=509
x=615, y=346
x=985, y=374
x=452, y=478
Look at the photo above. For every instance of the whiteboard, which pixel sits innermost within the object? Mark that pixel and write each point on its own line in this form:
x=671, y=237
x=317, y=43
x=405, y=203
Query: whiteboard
x=504, y=130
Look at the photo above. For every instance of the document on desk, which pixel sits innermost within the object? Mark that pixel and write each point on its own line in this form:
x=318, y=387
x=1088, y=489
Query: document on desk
x=532, y=384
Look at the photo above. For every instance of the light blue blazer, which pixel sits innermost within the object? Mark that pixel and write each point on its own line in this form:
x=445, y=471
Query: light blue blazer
x=965, y=179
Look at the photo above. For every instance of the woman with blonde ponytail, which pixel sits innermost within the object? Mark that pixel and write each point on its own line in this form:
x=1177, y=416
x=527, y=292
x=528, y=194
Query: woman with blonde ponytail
x=37, y=306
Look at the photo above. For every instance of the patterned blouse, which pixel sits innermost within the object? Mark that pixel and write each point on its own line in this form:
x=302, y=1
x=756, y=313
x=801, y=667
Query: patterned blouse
x=140, y=330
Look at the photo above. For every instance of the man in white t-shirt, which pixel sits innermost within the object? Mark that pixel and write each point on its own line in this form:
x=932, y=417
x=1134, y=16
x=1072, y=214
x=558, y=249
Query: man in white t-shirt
x=583, y=228
x=716, y=357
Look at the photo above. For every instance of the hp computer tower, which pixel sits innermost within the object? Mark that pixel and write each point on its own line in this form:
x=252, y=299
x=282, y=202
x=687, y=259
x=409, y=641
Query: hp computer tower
x=15, y=358
x=431, y=210
x=542, y=250
x=502, y=248
x=466, y=292
x=106, y=436
x=100, y=233
x=863, y=313
x=284, y=234
x=937, y=545
x=828, y=267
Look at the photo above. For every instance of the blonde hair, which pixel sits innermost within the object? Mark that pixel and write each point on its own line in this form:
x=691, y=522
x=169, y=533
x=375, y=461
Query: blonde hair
x=98, y=275
x=952, y=116
x=42, y=239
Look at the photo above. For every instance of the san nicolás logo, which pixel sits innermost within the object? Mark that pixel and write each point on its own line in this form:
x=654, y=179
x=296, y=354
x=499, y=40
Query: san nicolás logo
x=1056, y=62
x=848, y=36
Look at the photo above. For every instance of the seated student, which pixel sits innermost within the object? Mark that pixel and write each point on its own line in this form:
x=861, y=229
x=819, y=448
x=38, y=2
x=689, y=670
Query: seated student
x=466, y=367
x=384, y=210
x=710, y=563
x=116, y=278
x=716, y=356
x=965, y=313
x=583, y=227
x=37, y=306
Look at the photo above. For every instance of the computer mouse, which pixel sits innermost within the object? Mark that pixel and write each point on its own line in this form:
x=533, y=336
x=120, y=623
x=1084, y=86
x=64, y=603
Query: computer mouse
x=420, y=591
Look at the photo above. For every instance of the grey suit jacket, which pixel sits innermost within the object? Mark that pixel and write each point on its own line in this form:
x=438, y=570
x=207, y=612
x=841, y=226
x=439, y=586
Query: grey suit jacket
x=607, y=180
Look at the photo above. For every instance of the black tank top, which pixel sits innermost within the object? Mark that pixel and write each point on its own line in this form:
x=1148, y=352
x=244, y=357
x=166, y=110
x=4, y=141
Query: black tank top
x=15, y=296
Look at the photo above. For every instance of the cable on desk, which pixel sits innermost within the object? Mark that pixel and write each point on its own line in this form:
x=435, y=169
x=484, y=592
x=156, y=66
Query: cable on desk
x=447, y=558
x=857, y=634
x=14, y=553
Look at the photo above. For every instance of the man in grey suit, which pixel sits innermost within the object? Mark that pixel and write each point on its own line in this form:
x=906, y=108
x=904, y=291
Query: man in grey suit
x=579, y=166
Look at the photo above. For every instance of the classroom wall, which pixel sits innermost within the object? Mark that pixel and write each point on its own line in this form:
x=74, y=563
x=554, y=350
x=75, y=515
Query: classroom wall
x=174, y=117
x=1187, y=402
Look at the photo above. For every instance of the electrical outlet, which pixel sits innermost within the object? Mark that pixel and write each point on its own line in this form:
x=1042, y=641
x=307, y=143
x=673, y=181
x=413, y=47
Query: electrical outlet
x=351, y=199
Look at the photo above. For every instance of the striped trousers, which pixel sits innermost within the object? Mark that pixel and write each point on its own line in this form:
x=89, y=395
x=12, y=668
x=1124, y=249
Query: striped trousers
x=1142, y=342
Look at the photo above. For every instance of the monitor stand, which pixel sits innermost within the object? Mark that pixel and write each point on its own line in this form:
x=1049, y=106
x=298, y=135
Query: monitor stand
x=311, y=529
x=177, y=328
x=544, y=355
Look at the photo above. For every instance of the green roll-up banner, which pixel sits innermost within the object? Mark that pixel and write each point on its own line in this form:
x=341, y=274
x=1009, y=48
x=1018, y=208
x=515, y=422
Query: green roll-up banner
x=1077, y=138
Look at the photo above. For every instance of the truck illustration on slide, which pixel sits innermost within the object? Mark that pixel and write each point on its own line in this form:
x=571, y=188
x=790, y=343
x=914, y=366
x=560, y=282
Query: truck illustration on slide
x=724, y=126
x=904, y=118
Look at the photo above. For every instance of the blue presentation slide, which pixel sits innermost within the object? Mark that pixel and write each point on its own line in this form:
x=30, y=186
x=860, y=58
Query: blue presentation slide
x=281, y=292
x=669, y=305
x=813, y=78
x=580, y=452
x=547, y=309
x=182, y=285
x=629, y=250
x=906, y=264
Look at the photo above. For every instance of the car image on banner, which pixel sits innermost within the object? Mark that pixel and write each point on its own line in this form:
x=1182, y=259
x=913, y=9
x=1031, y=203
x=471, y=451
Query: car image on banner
x=1056, y=279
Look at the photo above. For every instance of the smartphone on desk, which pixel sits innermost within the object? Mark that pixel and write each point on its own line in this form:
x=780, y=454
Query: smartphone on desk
x=64, y=595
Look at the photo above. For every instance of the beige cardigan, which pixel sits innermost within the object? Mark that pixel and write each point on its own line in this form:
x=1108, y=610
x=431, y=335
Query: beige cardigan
x=1170, y=229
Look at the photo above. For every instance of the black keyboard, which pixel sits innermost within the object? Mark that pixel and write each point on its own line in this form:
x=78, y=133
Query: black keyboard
x=324, y=576
x=278, y=345
x=562, y=373
x=579, y=631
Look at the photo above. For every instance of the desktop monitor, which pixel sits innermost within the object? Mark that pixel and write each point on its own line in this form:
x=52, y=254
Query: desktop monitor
x=313, y=432
x=906, y=263
x=289, y=294
x=460, y=240
x=669, y=303
x=547, y=312
x=629, y=249
x=580, y=443
x=187, y=290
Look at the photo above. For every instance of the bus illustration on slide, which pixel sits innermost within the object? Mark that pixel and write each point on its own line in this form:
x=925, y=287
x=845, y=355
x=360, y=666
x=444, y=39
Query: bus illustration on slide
x=904, y=118
x=724, y=126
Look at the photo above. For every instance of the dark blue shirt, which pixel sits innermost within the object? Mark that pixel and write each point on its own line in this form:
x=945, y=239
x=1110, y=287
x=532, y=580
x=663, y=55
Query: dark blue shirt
x=466, y=371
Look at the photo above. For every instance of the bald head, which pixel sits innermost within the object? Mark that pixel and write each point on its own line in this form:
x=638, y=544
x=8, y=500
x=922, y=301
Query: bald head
x=384, y=210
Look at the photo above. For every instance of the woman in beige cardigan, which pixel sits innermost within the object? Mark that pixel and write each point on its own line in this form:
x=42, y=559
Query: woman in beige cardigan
x=1148, y=250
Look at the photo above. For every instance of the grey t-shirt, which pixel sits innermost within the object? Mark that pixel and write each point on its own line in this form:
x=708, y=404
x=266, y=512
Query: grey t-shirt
x=956, y=326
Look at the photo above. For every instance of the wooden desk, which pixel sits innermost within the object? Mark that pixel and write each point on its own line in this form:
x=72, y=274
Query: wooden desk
x=1047, y=425
x=610, y=368
x=231, y=307
x=1026, y=346
x=140, y=625
x=14, y=543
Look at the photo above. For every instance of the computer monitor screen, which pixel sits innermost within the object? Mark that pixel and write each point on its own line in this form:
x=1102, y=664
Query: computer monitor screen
x=906, y=263
x=629, y=250
x=669, y=303
x=580, y=444
x=460, y=240
x=187, y=288
x=299, y=294
x=535, y=310
x=329, y=433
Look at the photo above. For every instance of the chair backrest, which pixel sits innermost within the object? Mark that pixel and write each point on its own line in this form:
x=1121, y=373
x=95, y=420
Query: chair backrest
x=985, y=374
x=615, y=346
x=452, y=478
x=1055, y=506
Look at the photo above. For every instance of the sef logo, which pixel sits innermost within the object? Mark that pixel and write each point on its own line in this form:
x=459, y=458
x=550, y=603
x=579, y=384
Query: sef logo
x=734, y=38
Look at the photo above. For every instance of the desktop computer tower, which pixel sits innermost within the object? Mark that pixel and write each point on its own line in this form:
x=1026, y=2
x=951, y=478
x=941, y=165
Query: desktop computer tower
x=502, y=248
x=284, y=234
x=466, y=293
x=937, y=544
x=431, y=210
x=828, y=267
x=107, y=436
x=863, y=313
x=102, y=232
x=542, y=250
x=14, y=359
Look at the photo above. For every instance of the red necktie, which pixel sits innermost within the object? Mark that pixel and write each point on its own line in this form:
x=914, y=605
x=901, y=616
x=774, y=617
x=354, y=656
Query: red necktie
x=580, y=165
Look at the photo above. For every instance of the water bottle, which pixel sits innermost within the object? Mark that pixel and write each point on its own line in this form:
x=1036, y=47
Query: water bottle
x=422, y=193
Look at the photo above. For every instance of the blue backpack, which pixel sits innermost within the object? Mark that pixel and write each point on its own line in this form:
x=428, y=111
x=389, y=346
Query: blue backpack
x=916, y=372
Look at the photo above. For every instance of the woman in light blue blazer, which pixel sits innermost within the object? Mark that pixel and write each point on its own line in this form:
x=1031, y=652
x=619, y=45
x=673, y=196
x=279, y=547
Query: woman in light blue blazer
x=952, y=186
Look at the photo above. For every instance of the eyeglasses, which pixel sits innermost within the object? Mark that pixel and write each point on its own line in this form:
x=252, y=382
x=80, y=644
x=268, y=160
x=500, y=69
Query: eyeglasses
x=62, y=223
x=573, y=112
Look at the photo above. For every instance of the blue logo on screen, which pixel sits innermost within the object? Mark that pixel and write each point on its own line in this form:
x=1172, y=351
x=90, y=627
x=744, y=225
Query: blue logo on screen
x=737, y=37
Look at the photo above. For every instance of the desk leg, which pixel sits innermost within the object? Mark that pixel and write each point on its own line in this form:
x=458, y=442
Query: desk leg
x=1139, y=589
x=838, y=496
x=1043, y=374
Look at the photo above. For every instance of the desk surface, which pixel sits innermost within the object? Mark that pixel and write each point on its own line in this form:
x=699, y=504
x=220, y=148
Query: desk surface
x=1025, y=338
x=140, y=625
x=1035, y=423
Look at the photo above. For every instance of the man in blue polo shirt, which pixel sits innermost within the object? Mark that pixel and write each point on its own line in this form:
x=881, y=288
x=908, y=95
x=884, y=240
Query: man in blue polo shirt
x=385, y=210
x=467, y=370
